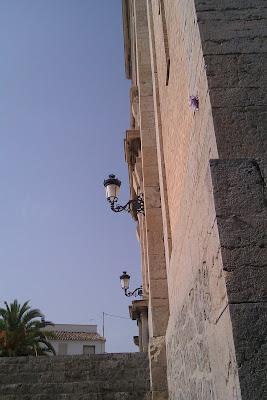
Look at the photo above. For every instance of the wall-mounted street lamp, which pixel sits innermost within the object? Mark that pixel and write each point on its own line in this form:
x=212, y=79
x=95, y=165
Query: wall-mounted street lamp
x=125, y=283
x=112, y=185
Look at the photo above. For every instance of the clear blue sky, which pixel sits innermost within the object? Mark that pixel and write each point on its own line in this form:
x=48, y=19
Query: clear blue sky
x=64, y=109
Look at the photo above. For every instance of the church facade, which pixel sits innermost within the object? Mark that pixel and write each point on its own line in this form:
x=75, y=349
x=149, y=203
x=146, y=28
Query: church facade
x=196, y=151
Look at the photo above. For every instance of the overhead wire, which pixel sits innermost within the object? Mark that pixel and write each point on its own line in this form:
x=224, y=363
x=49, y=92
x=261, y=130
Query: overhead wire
x=116, y=316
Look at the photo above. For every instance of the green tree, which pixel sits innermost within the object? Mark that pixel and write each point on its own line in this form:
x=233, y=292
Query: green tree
x=22, y=331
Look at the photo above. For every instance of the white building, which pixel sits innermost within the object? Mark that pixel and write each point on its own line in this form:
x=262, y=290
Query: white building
x=70, y=339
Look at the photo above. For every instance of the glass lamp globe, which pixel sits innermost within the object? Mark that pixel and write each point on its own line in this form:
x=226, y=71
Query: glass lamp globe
x=125, y=280
x=112, y=185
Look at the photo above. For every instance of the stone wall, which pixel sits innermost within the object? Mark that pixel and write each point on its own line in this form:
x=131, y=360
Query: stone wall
x=188, y=143
x=94, y=377
x=213, y=240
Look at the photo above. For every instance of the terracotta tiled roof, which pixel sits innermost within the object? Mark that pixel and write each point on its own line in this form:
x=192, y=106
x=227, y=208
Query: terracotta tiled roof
x=61, y=335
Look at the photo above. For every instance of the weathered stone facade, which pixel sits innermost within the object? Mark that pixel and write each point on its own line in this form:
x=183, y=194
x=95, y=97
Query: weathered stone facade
x=94, y=377
x=203, y=176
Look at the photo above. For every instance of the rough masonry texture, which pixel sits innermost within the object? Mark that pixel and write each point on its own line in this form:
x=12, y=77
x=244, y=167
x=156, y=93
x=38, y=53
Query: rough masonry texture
x=203, y=175
x=94, y=377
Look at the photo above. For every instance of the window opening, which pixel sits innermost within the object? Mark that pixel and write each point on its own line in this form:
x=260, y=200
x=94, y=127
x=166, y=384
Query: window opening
x=88, y=349
x=62, y=349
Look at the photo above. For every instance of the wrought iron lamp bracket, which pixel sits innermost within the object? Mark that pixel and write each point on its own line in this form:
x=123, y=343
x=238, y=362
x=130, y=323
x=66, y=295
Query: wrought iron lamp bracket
x=136, y=205
x=135, y=293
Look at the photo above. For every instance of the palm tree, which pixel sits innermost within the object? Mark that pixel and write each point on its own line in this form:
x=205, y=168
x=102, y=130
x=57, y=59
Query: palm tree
x=22, y=331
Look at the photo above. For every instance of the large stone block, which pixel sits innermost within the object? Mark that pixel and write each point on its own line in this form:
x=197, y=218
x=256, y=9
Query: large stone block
x=159, y=316
x=230, y=14
x=155, y=243
x=240, y=132
x=228, y=5
x=234, y=45
x=250, y=337
x=237, y=96
x=157, y=357
x=158, y=288
x=238, y=187
x=236, y=70
x=157, y=268
x=149, y=157
x=152, y=176
x=152, y=205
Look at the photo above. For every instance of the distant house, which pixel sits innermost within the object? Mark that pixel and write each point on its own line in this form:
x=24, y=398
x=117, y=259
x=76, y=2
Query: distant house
x=70, y=339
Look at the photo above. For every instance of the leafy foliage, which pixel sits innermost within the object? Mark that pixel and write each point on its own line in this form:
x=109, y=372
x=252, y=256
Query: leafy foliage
x=22, y=331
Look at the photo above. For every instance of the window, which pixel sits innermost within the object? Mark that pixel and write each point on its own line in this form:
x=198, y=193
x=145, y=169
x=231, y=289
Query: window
x=88, y=349
x=62, y=349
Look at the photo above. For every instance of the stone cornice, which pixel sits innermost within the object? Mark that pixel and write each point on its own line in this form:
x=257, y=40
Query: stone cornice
x=127, y=38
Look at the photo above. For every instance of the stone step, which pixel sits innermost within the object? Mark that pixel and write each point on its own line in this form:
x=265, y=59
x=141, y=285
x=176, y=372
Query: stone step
x=74, y=387
x=95, y=369
x=77, y=396
x=94, y=363
x=126, y=357
x=70, y=375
